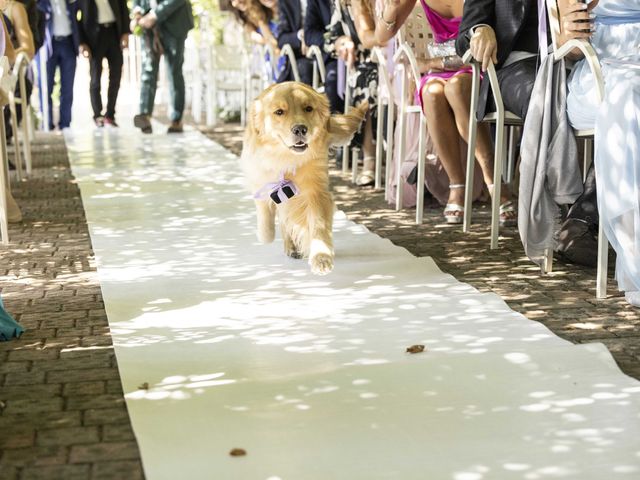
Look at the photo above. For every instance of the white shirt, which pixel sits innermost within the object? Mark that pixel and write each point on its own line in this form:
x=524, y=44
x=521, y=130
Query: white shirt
x=105, y=12
x=61, y=22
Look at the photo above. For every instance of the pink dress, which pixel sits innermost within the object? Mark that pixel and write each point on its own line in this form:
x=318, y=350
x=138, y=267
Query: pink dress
x=444, y=30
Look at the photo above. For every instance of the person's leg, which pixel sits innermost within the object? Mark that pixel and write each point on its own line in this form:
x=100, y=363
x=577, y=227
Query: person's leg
x=148, y=76
x=115, y=61
x=52, y=64
x=441, y=123
x=367, y=177
x=95, y=70
x=331, y=87
x=458, y=93
x=516, y=84
x=67, y=77
x=174, y=57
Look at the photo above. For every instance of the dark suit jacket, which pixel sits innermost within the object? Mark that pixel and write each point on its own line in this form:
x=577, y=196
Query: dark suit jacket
x=72, y=11
x=89, y=28
x=290, y=22
x=175, y=17
x=506, y=17
x=316, y=20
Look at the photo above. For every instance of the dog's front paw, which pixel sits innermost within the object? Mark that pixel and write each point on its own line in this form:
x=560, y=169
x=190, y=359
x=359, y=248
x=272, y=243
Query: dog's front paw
x=321, y=264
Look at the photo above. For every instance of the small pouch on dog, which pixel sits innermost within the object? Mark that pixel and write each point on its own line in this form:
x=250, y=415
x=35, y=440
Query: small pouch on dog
x=279, y=192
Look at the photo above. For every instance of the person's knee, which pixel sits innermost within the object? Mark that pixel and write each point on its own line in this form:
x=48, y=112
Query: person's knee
x=433, y=95
x=457, y=89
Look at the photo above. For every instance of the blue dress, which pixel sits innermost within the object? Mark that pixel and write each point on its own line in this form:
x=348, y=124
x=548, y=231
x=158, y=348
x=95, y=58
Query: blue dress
x=8, y=326
x=617, y=131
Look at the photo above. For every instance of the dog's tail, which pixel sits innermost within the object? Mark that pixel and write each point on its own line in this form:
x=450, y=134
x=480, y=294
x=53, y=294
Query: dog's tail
x=343, y=127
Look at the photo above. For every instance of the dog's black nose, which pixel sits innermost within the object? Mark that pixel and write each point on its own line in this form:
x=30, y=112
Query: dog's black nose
x=299, y=130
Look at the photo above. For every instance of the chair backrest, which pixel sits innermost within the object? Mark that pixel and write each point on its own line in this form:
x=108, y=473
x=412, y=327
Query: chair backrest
x=416, y=33
x=226, y=57
x=560, y=51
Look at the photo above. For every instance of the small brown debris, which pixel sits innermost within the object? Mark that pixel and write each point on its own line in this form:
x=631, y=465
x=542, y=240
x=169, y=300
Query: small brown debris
x=415, y=349
x=238, y=452
x=144, y=386
x=2, y=405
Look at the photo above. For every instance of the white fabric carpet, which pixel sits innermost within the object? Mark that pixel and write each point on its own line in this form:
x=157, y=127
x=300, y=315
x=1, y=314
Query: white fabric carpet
x=243, y=347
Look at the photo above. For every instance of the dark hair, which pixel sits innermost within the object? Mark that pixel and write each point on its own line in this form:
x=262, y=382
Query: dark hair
x=253, y=15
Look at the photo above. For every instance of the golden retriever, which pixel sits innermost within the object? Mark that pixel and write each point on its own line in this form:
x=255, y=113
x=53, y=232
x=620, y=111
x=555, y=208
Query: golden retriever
x=285, y=163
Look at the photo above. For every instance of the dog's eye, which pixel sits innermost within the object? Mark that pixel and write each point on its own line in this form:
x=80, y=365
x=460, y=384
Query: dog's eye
x=279, y=112
x=308, y=109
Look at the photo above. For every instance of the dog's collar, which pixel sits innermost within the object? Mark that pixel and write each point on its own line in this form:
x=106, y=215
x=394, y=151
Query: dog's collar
x=279, y=191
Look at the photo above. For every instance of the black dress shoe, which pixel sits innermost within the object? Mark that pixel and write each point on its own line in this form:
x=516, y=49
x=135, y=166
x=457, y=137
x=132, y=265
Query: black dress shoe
x=578, y=242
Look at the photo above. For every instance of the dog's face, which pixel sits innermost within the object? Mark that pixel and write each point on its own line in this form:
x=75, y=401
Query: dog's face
x=291, y=117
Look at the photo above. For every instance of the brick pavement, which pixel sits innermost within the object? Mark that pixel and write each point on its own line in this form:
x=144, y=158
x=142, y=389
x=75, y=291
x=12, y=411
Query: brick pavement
x=62, y=411
x=564, y=300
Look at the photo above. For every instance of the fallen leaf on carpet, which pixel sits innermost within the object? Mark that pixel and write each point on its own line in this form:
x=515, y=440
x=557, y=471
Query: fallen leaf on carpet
x=2, y=405
x=415, y=349
x=144, y=386
x=237, y=452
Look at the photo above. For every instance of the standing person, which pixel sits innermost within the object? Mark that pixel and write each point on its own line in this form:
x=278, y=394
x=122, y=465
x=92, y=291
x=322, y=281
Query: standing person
x=104, y=33
x=63, y=40
x=165, y=24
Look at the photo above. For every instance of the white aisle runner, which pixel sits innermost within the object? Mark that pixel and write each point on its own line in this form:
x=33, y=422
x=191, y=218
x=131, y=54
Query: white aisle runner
x=243, y=347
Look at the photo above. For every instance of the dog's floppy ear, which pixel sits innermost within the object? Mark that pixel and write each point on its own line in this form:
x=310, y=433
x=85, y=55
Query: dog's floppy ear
x=342, y=127
x=255, y=118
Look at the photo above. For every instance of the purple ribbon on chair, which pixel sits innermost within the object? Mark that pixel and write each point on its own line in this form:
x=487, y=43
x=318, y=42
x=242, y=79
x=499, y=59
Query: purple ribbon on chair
x=342, y=77
x=542, y=30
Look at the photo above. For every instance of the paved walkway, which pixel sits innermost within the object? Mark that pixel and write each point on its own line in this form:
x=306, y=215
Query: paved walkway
x=564, y=300
x=62, y=414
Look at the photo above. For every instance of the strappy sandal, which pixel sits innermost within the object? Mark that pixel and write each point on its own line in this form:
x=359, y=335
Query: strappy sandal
x=506, y=208
x=453, y=212
x=366, y=178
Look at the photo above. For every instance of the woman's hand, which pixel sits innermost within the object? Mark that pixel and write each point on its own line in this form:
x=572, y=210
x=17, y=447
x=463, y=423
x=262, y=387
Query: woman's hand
x=346, y=49
x=577, y=20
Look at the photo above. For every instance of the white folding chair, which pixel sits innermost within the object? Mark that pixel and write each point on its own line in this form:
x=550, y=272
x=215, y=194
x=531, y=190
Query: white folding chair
x=287, y=52
x=5, y=87
x=319, y=71
x=503, y=119
x=385, y=101
x=222, y=70
x=18, y=78
x=591, y=58
x=413, y=40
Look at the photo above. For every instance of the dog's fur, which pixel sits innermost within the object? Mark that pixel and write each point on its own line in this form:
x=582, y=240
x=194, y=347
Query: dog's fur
x=290, y=130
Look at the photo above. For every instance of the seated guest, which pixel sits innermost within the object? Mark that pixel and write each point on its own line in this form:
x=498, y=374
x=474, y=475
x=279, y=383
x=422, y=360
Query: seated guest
x=17, y=23
x=257, y=20
x=351, y=39
x=615, y=36
x=290, y=22
x=445, y=96
x=316, y=20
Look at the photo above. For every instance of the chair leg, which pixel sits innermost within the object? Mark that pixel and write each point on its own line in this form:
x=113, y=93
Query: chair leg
x=471, y=149
x=421, y=161
x=354, y=164
x=511, y=156
x=497, y=177
x=379, y=145
x=603, y=259
x=588, y=155
x=389, y=152
x=547, y=261
x=4, y=185
x=16, y=140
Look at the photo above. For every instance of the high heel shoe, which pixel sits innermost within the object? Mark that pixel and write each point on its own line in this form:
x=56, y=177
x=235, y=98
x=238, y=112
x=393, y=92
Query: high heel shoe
x=454, y=212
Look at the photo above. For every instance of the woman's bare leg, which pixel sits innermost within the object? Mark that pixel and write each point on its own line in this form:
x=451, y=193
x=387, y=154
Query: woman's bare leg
x=441, y=123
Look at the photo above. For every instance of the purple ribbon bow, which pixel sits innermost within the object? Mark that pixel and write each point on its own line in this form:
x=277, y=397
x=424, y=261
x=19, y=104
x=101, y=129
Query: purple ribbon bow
x=279, y=191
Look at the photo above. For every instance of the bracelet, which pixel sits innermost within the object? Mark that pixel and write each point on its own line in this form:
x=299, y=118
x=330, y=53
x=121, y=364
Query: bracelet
x=387, y=25
x=451, y=62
